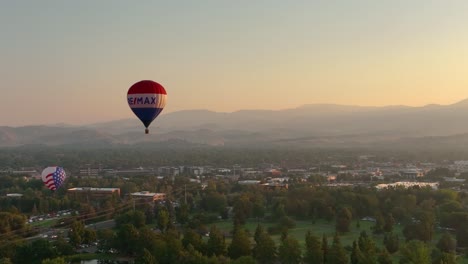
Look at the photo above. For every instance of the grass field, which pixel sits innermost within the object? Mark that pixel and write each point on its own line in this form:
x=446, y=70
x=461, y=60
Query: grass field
x=322, y=227
x=45, y=223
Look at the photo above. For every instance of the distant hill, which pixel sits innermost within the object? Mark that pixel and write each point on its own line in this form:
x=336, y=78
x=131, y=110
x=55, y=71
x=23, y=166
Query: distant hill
x=316, y=125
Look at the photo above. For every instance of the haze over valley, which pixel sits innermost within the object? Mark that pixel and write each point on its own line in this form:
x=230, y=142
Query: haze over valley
x=315, y=125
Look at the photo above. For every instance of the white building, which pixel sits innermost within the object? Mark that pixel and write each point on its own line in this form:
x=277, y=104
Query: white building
x=149, y=195
x=460, y=166
x=433, y=185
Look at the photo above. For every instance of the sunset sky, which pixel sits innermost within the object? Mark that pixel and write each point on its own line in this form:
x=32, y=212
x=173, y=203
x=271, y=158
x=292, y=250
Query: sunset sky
x=73, y=61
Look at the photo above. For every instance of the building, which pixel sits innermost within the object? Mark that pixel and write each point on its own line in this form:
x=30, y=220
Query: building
x=249, y=182
x=411, y=173
x=14, y=195
x=89, y=172
x=451, y=179
x=275, y=185
x=459, y=166
x=133, y=172
x=149, y=196
x=169, y=171
x=30, y=173
x=433, y=185
x=87, y=193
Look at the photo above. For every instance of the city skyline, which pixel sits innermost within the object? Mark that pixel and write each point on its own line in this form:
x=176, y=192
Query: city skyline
x=73, y=62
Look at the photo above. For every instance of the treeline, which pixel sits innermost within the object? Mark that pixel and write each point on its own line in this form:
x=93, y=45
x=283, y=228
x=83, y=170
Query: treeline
x=132, y=156
x=185, y=227
x=188, y=233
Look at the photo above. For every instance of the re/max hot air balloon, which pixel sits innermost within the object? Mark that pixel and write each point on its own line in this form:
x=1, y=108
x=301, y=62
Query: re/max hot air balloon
x=146, y=99
x=53, y=177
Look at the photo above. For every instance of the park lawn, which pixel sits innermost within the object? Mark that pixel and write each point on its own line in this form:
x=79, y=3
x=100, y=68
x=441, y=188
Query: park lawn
x=322, y=227
x=89, y=256
x=45, y=223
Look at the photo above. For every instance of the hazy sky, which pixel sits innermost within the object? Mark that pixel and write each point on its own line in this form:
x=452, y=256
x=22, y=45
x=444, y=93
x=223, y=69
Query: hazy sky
x=73, y=61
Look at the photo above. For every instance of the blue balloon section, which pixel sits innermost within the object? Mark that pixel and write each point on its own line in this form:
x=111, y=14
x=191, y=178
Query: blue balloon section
x=147, y=115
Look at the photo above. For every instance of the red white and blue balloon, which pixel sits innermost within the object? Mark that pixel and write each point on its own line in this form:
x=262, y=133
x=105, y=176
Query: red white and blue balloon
x=147, y=100
x=53, y=177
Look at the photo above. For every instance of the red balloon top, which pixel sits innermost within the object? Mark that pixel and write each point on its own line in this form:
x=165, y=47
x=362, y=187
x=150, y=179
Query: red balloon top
x=147, y=86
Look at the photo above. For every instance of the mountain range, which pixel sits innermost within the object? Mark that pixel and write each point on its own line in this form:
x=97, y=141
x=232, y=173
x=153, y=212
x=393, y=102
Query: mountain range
x=315, y=125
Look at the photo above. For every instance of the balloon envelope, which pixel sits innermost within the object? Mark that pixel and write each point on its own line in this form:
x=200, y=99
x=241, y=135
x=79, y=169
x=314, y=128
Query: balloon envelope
x=146, y=99
x=53, y=177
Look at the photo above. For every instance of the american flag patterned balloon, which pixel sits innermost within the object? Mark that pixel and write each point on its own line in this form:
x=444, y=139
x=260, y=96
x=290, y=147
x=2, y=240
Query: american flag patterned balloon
x=53, y=177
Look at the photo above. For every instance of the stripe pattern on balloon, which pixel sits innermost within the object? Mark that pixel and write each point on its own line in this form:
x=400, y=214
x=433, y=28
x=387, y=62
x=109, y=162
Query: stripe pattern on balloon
x=53, y=177
x=147, y=99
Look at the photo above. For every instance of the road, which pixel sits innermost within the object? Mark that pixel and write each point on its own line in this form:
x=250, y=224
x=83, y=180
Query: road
x=102, y=225
x=51, y=232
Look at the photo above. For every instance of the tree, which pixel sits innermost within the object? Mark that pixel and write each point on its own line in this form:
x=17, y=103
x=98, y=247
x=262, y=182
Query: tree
x=421, y=228
x=378, y=228
x=5, y=261
x=325, y=248
x=258, y=209
x=9, y=248
x=76, y=233
x=174, y=248
x=163, y=220
x=329, y=213
x=447, y=258
x=286, y=222
x=415, y=252
x=106, y=239
x=182, y=213
x=367, y=246
x=214, y=202
x=290, y=251
x=146, y=258
x=63, y=247
x=240, y=245
x=128, y=238
x=446, y=243
x=192, y=256
x=148, y=239
x=11, y=222
x=384, y=257
x=216, y=245
x=391, y=242
x=337, y=253
x=35, y=252
x=24, y=254
x=278, y=210
x=356, y=255
x=389, y=223
x=343, y=220
x=138, y=219
x=265, y=248
x=54, y=261
x=258, y=231
x=89, y=236
x=314, y=253
x=193, y=238
x=242, y=209
x=244, y=260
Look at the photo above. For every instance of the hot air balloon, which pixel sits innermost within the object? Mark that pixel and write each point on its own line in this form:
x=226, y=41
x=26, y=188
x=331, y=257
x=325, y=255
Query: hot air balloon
x=53, y=177
x=146, y=99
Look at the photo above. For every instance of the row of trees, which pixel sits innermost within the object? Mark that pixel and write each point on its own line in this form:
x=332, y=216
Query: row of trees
x=168, y=244
x=420, y=211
